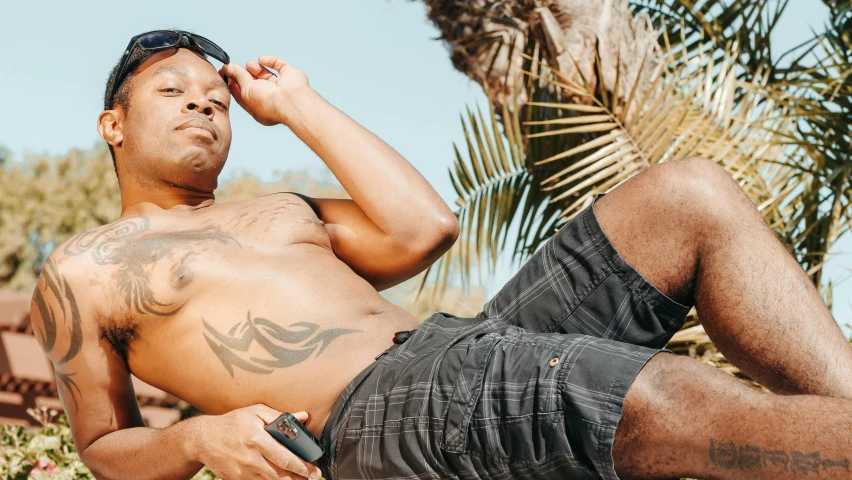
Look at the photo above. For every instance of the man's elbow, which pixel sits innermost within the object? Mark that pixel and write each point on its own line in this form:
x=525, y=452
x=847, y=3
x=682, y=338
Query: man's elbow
x=448, y=227
x=438, y=235
x=94, y=466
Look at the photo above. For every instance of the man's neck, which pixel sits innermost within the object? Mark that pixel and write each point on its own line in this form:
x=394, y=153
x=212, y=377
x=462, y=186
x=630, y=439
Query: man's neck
x=137, y=199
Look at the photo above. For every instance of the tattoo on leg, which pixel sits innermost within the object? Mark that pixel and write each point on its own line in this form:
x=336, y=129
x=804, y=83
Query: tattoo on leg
x=63, y=297
x=130, y=245
x=302, y=340
x=730, y=455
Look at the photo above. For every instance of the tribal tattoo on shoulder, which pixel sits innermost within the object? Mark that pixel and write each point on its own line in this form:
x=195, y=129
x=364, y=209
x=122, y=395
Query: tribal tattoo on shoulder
x=63, y=304
x=131, y=246
x=285, y=346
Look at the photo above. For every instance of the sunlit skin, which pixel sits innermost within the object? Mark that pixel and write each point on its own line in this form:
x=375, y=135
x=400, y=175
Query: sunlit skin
x=243, y=309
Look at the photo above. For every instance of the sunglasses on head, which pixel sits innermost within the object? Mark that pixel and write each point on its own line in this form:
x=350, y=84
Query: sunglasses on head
x=162, y=40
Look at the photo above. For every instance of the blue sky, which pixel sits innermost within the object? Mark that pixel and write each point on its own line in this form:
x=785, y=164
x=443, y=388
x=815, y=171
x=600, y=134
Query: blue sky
x=376, y=60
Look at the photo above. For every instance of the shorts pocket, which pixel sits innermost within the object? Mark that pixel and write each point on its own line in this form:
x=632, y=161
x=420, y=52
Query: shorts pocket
x=466, y=392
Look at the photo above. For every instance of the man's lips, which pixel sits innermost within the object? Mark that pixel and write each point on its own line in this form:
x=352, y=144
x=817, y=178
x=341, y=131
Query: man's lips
x=199, y=123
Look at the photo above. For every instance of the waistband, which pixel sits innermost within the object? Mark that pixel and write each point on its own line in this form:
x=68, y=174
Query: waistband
x=331, y=430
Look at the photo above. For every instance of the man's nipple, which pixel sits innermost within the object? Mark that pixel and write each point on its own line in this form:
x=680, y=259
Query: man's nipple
x=181, y=277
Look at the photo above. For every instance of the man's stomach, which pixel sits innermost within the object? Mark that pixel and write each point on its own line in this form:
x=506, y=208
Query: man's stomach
x=289, y=335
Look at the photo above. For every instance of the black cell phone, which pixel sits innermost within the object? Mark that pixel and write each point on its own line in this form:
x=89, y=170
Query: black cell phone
x=293, y=435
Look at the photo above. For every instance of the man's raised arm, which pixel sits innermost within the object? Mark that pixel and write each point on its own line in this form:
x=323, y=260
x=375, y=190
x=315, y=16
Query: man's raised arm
x=97, y=395
x=396, y=224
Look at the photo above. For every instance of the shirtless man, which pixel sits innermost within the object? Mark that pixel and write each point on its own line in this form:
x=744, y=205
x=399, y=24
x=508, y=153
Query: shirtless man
x=248, y=309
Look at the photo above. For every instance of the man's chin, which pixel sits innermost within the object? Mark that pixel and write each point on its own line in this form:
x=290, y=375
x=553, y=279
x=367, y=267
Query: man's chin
x=201, y=179
x=203, y=162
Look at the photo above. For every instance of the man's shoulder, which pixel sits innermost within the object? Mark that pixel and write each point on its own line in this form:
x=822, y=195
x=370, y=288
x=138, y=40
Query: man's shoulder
x=76, y=247
x=78, y=255
x=274, y=199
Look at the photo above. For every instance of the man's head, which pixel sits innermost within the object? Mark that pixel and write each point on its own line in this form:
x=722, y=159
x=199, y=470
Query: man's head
x=168, y=122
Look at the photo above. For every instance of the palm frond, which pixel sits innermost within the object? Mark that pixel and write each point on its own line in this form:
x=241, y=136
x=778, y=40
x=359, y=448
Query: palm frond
x=539, y=173
x=710, y=27
x=492, y=184
x=693, y=111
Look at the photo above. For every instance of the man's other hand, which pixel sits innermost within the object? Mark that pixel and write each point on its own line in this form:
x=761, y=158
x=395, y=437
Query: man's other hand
x=235, y=445
x=262, y=93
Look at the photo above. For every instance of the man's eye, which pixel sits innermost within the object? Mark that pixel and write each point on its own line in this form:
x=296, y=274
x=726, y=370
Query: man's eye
x=220, y=104
x=170, y=90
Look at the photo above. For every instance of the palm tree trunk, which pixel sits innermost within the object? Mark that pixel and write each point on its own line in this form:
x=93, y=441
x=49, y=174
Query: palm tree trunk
x=488, y=39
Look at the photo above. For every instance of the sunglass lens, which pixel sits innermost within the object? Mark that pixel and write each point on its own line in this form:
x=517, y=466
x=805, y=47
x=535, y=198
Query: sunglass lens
x=212, y=49
x=156, y=40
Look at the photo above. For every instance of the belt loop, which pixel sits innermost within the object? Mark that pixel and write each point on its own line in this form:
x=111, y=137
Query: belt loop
x=400, y=337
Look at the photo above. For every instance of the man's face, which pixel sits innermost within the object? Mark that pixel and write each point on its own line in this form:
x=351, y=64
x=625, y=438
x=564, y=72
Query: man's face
x=177, y=129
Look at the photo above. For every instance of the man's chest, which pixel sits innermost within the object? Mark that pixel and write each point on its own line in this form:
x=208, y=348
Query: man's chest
x=151, y=266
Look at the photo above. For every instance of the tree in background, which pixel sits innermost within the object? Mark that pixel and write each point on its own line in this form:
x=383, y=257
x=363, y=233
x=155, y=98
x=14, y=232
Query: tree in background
x=584, y=95
x=44, y=201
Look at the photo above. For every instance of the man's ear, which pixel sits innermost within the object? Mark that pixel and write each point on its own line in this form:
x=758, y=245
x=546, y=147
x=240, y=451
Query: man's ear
x=110, y=125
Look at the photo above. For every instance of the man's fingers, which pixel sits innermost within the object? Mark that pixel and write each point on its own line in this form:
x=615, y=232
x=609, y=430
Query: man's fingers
x=270, y=472
x=234, y=87
x=265, y=413
x=238, y=73
x=272, y=62
x=281, y=457
x=258, y=70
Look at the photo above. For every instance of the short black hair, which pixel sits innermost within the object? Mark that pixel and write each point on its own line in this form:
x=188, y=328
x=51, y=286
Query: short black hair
x=122, y=94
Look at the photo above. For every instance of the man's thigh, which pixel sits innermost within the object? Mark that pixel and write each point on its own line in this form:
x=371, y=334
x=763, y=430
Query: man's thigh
x=577, y=283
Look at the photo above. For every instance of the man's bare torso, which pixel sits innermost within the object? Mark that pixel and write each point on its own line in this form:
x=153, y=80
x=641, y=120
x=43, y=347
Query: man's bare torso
x=232, y=305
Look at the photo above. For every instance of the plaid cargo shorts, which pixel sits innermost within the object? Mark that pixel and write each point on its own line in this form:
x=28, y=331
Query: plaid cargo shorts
x=532, y=387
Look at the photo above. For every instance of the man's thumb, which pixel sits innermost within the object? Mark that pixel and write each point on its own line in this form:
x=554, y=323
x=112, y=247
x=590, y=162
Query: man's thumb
x=301, y=416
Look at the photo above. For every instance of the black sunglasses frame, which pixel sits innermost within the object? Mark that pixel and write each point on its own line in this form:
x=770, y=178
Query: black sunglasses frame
x=184, y=39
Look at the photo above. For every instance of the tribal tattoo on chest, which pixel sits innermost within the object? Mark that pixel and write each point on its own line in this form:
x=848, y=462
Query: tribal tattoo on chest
x=282, y=346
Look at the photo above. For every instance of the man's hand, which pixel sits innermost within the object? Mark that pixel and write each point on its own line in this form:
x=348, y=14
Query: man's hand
x=260, y=92
x=235, y=445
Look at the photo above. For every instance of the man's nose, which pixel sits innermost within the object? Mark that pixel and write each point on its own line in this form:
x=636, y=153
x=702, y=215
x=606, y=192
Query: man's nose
x=199, y=104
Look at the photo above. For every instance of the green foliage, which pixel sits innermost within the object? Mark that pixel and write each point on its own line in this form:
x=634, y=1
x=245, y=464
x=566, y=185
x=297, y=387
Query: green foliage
x=45, y=200
x=46, y=452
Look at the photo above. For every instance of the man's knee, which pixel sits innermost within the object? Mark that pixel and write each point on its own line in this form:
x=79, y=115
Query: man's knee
x=693, y=192
x=694, y=181
x=670, y=407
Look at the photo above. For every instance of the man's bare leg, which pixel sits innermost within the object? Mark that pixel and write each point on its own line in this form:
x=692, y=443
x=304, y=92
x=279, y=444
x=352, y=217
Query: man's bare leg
x=689, y=229
x=685, y=419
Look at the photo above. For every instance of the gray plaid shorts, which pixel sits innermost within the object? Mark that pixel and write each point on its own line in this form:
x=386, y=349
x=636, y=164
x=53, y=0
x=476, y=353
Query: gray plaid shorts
x=532, y=387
